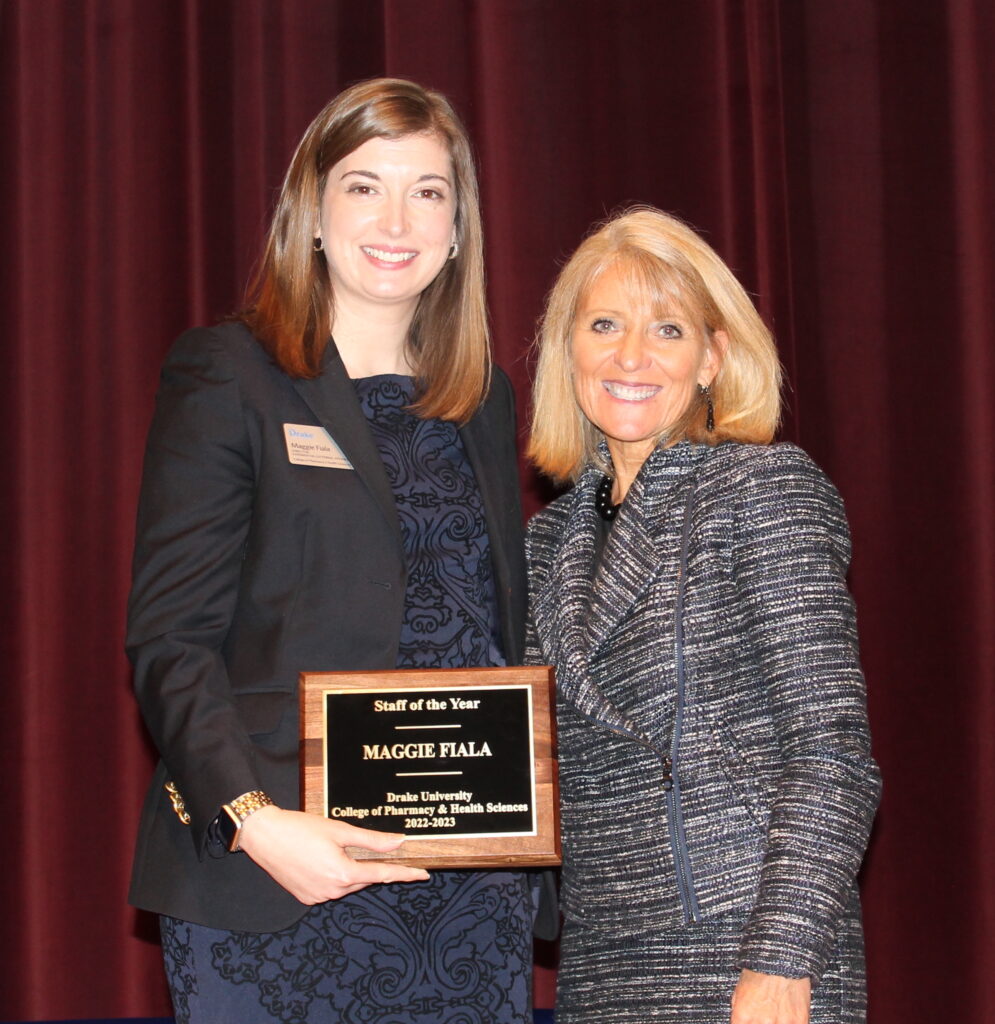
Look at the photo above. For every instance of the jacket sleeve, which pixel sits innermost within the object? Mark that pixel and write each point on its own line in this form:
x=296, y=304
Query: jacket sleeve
x=542, y=536
x=791, y=558
x=547, y=919
x=193, y=519
x=533, y=653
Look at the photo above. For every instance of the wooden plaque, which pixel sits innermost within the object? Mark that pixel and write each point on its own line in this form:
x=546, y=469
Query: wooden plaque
x=462, y=761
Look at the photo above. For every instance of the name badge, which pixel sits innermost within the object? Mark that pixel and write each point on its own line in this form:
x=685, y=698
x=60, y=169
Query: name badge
x=308, y=445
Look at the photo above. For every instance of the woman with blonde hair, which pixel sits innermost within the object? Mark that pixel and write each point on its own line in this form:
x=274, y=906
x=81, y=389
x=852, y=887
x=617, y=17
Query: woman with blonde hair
x=716, y=781
x=389, y=537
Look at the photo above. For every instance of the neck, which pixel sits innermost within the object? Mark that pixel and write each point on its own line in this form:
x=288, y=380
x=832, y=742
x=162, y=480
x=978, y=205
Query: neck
x=373, y=341
x=627, y=459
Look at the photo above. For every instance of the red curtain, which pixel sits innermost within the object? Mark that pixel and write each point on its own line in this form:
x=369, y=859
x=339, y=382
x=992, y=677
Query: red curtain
x=838, y=154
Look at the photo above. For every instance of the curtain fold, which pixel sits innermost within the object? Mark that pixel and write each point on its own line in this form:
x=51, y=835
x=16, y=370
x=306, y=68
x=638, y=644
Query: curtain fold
x=838, y=155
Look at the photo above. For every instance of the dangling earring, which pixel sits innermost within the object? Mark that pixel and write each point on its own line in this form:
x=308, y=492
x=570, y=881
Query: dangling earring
x=453, y=249
x=317, y=243
x=706, y=392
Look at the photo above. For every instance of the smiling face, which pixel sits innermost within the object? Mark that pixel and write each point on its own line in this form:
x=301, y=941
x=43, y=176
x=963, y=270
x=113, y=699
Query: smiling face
x=636, y=368
x=387, y=222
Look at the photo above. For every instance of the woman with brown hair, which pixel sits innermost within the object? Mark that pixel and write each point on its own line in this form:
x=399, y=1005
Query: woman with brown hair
x=716, y=782
x=395, y=541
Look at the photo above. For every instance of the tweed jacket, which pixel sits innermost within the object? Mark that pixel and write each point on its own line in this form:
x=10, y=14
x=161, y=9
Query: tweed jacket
x=713, y=740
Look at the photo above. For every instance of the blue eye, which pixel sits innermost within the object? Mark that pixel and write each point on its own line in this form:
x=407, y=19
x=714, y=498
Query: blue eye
x=603, y=325
x=669, y=331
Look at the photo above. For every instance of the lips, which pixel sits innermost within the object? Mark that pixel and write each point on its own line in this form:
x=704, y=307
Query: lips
x=388, y=255
x=631, y=392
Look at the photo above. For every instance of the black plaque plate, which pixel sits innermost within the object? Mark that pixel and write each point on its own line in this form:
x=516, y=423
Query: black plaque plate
x=433, y=762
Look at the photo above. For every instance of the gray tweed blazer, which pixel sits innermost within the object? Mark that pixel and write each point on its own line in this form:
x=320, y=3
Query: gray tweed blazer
x=713, y=740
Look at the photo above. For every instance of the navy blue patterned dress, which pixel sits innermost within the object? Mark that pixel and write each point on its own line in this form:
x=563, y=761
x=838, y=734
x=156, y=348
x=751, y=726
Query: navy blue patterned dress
x=456, y=949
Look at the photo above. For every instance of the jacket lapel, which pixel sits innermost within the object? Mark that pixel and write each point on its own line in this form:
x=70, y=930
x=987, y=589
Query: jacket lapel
x=628, y=566
x=643, y=546
x=576, y=614
x=561, y=610
x=332, y=398
x=564, y=601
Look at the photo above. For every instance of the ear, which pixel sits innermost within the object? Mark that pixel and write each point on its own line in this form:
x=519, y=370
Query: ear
x=715, y=351
x=316, y=226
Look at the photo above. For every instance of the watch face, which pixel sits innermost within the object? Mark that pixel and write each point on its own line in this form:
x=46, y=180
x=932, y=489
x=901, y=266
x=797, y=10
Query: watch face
x=227, y=827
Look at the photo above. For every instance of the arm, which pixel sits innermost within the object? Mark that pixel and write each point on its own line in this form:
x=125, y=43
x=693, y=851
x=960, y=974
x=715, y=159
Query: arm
x=547, y=921
x=194, y=519
x=533, y=654
x=541, y=550
x=791, y=558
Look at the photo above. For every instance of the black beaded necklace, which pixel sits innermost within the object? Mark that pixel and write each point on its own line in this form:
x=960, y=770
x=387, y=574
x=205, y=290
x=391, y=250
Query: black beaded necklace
x=603, y=500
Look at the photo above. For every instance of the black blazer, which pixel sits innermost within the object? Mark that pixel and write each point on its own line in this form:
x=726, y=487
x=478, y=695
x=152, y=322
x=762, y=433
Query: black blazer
x=249, y=569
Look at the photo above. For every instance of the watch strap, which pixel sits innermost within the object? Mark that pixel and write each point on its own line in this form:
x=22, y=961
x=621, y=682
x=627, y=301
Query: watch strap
x=237, y=811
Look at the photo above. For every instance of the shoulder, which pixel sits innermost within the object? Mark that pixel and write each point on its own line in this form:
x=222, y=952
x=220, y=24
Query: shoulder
x=767, y=472
x=556, y=513
x=545, y=529
x=747, y=460
x=230, y=344
x=491, y=429
x=771, y=495
x=217, y=383
x=500, y=383
x=496, y=413
x=499, y=402
x=225, y=365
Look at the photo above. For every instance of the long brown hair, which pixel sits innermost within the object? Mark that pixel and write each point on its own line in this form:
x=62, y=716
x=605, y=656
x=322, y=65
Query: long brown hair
x=291, y=306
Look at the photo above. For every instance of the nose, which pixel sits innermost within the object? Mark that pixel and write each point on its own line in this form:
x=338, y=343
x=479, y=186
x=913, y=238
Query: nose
x=394, y=216
x=630, y=355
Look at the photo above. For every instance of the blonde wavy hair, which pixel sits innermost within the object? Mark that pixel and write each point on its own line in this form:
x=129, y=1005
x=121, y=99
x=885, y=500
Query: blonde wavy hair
x=671, y=268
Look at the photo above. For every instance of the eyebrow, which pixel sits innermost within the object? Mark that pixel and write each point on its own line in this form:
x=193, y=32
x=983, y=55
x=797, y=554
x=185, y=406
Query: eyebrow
x=376, y=177
x=622, y=312
x=590, y=310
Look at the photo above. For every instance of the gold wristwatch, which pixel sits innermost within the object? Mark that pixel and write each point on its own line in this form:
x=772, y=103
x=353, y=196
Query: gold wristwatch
x=233, y=816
